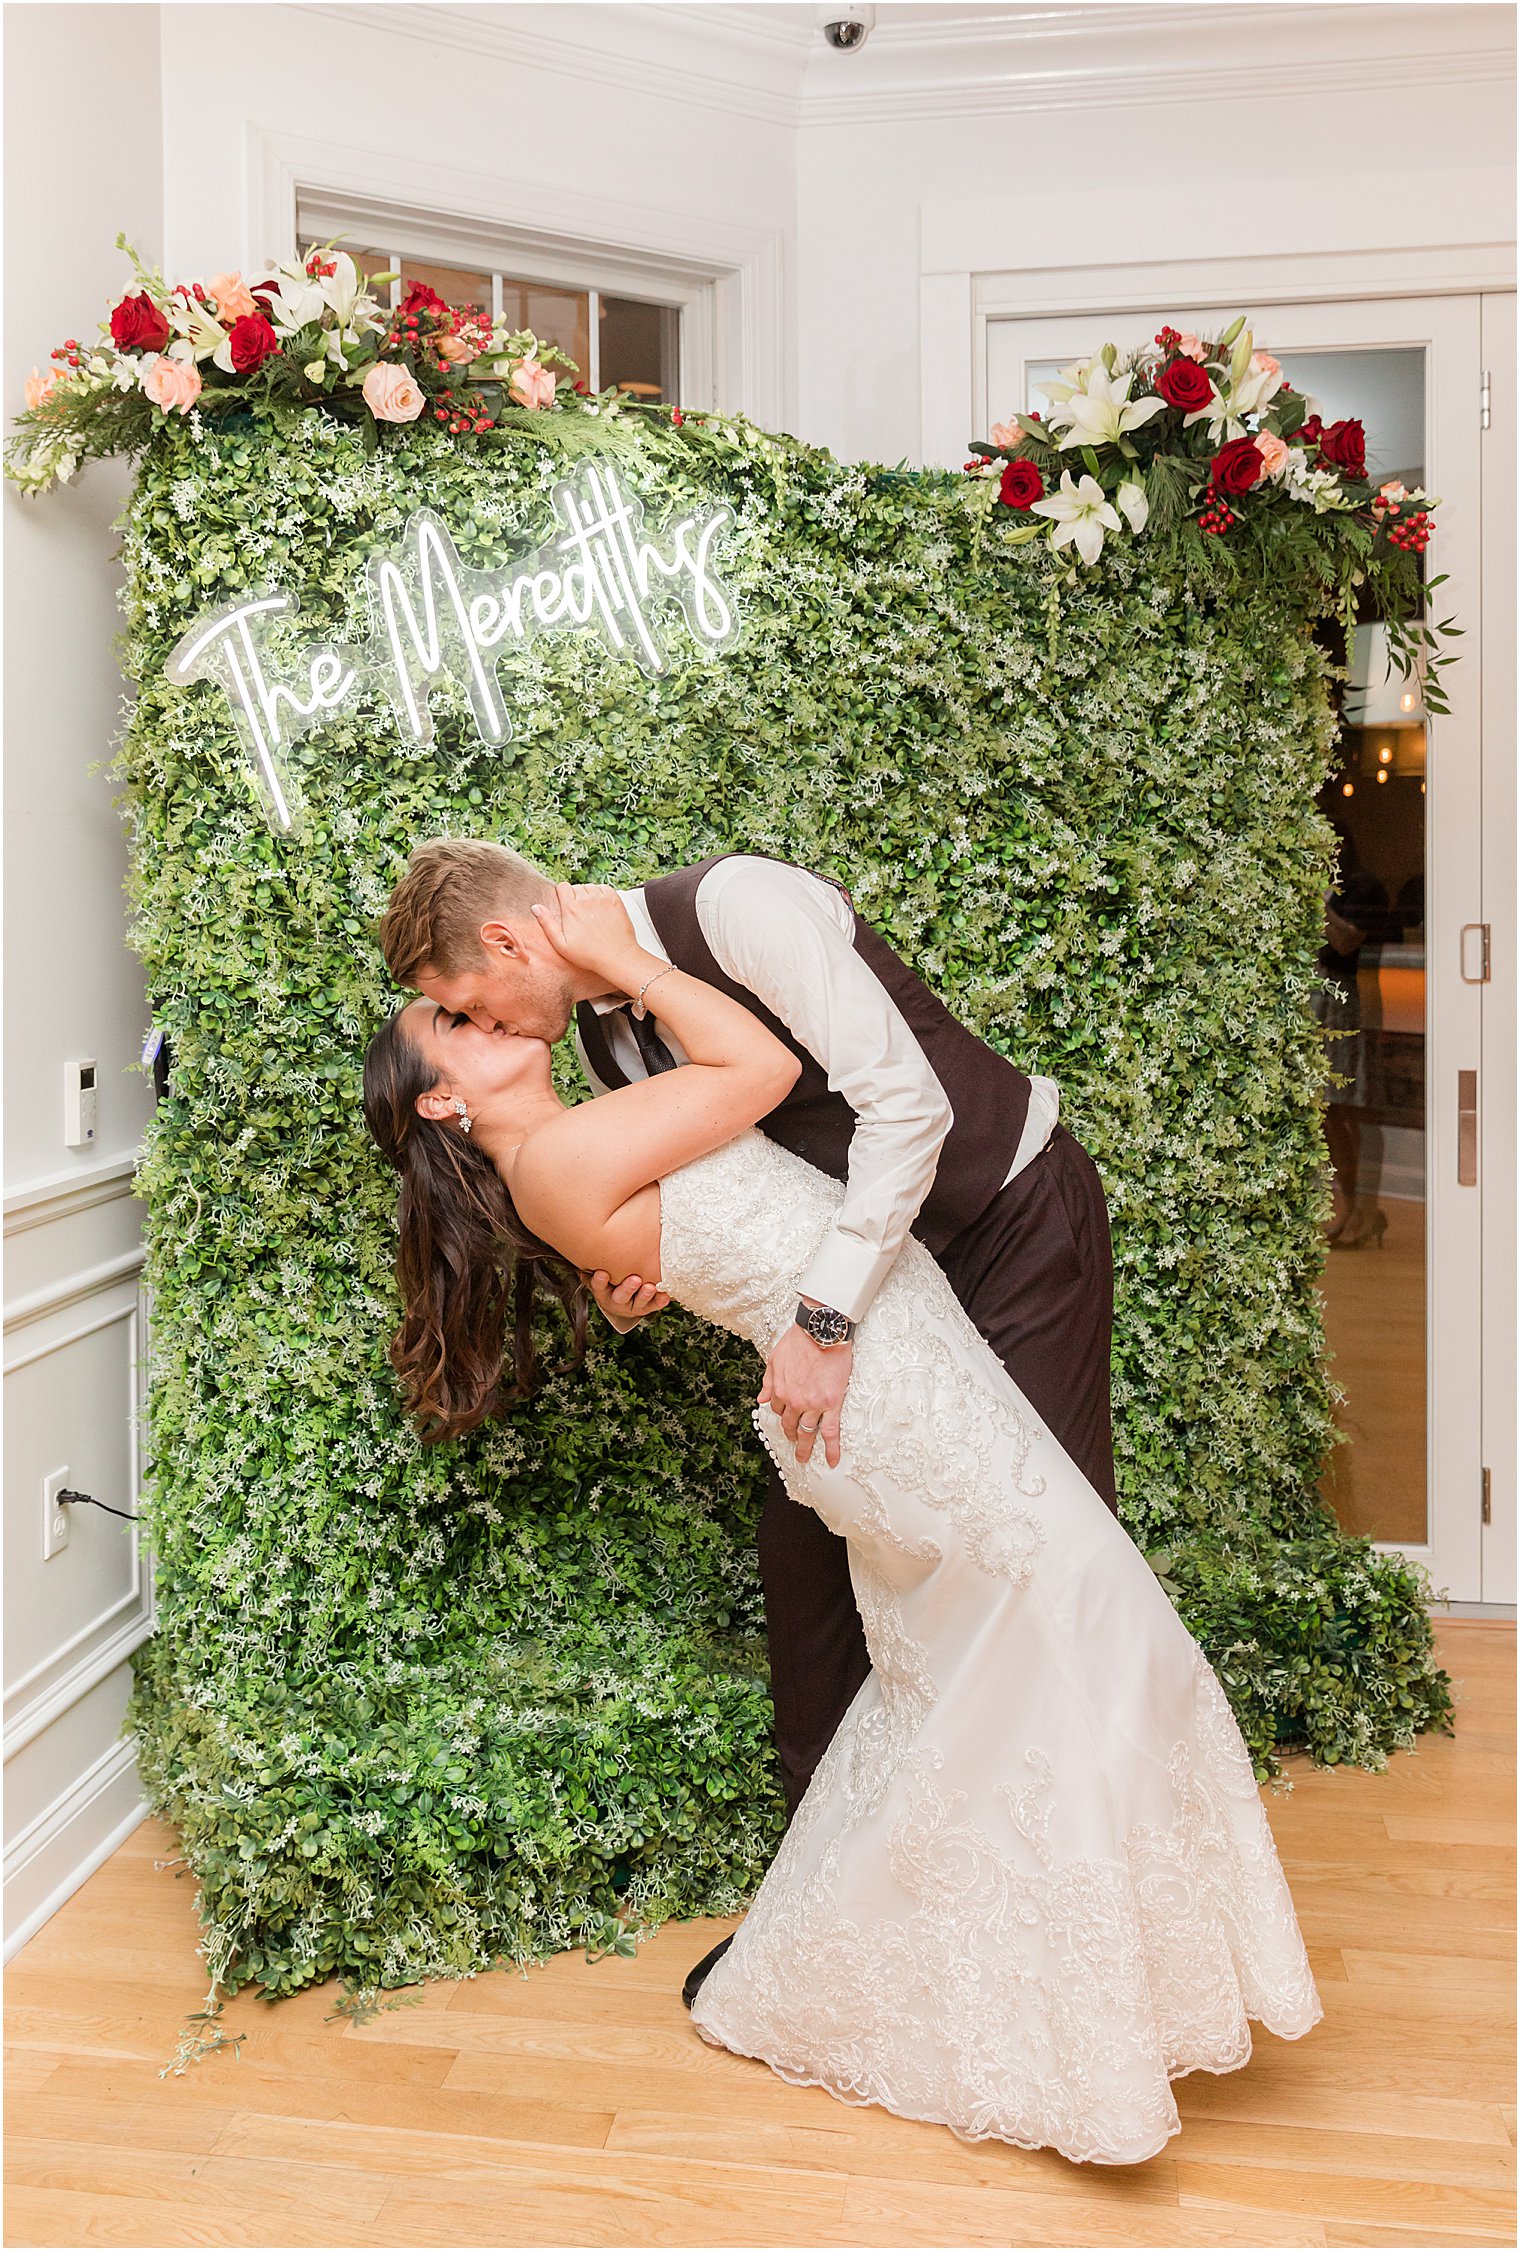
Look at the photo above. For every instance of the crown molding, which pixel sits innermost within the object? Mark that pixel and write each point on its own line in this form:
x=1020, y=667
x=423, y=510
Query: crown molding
x=669, y=66
x=1129, y=86
x=764, y=59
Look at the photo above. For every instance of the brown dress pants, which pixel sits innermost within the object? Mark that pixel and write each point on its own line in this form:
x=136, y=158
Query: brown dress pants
x=1035, y=1273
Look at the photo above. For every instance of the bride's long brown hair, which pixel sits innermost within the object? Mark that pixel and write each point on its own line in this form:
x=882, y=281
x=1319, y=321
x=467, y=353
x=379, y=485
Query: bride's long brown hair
x=468, y=1268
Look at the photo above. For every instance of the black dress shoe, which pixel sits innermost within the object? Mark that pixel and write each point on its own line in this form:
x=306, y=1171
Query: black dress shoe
x=694, y=1977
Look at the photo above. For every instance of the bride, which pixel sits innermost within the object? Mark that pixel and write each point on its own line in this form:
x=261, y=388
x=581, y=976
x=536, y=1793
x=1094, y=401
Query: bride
x=1031, y=1882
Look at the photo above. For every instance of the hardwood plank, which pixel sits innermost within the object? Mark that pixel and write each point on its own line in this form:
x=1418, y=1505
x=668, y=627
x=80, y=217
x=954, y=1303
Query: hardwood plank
x=1398, y=2203
x=27, y=2069
x=1360, y=2233
x=340, y=2093
x=894, y=2212
x=309, y=2193
x=508, y=2169
x=876, y=2145
x=41, y=2218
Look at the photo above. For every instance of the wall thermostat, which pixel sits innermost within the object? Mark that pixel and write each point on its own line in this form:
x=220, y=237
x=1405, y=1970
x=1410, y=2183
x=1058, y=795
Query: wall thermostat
x=79, y=1104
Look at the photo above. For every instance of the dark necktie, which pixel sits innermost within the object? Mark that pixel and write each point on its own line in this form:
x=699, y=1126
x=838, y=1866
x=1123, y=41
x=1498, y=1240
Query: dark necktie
x=657, y=1056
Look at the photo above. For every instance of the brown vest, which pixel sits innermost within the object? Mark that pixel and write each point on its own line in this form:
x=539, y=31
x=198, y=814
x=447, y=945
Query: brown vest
x=988, y=1096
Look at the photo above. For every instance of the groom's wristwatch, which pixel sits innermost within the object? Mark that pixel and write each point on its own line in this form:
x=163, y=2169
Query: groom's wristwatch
x=824, y=1325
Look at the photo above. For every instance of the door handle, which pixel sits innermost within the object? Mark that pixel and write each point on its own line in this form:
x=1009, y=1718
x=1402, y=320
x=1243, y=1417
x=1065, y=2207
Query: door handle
x=1475, y=953
x=1467, y=1129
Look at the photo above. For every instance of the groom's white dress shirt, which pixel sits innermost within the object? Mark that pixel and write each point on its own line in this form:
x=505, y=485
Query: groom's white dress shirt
x=788, y=936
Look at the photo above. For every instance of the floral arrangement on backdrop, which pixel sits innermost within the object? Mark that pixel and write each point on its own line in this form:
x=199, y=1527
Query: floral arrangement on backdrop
x=1198, y=438
x=1210, y=436
x=315, y=334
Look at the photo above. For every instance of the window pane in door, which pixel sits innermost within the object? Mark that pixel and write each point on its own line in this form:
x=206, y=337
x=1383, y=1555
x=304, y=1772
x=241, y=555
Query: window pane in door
x=640, y=348
x=1373, y=1284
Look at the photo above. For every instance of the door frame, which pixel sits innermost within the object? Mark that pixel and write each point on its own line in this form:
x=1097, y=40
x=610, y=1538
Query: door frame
x=1470, y=1289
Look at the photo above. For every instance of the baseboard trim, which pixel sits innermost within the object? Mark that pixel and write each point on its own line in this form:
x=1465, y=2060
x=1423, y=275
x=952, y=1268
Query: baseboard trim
x=1498, y=1613
x=112, y=1776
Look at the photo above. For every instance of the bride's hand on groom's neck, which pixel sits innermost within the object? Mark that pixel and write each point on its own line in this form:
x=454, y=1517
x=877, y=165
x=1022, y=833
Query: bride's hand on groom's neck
x=587, y=925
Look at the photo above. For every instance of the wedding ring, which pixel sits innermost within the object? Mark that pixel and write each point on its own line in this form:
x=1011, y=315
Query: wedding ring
x=810, y=1428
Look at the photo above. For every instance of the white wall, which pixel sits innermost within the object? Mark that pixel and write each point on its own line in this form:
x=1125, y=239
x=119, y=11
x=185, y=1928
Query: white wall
x=1121, y=134
x=83, y=158
x=591, y=118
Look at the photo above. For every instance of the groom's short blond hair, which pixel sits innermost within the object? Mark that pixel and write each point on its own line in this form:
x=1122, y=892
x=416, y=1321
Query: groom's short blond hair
x=451, y=886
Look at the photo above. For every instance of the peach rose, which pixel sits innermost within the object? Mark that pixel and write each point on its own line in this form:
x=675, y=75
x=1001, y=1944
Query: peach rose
x=455, y=352
x=1190, y=346
x=172, y=383
x=40, y=387
x=233, y=298
x=391, y=394
x=1272, y=450
x=532, y=384
x=1262, y=363
x=1007, y=435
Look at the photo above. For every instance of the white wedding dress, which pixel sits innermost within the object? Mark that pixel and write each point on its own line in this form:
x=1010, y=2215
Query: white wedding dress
x=1032, y=1881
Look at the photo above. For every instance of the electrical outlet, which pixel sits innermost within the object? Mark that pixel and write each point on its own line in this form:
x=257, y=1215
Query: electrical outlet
x=55, y=1515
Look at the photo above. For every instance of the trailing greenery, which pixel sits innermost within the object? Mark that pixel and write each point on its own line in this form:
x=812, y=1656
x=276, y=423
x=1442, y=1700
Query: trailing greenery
x=414, y=1711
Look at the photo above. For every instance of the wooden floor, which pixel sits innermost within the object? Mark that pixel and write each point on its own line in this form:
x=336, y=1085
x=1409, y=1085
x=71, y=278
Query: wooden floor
x=577, y=2105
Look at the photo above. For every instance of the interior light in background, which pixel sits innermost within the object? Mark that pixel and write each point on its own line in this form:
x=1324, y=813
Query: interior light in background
x=1348, y=789
x=1377, y=693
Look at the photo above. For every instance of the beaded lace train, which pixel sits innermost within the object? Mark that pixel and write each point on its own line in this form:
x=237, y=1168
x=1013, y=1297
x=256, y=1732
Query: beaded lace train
x=1032, y=1881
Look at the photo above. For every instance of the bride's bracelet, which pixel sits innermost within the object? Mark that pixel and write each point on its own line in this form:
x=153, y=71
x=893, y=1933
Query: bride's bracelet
x=638, y=1005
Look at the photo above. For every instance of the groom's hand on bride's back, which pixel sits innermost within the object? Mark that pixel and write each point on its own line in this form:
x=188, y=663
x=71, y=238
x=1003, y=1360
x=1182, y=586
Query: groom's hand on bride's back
x=628, y=1302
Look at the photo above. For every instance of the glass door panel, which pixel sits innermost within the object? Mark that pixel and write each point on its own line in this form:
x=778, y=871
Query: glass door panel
x=1401, y=1277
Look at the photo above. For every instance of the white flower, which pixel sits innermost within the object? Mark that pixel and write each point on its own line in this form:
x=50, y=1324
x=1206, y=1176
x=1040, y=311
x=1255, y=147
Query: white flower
x=1079, y=512
x=1096, y=410
x=1131, y=497
x=1320, y=487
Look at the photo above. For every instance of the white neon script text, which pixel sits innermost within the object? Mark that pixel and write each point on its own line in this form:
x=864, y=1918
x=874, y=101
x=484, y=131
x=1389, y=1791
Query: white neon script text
x=433, y=619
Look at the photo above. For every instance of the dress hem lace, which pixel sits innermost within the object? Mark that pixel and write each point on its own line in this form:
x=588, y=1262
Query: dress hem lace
x=1218, y=2070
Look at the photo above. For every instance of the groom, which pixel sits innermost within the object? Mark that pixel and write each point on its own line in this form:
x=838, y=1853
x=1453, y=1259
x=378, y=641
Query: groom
x=931, y=1132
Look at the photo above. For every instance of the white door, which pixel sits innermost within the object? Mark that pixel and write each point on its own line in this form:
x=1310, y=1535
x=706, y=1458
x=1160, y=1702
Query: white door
x=1405, y=1293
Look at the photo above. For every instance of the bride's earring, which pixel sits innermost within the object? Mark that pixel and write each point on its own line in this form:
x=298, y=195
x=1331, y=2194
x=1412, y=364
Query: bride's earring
x=465, y=1120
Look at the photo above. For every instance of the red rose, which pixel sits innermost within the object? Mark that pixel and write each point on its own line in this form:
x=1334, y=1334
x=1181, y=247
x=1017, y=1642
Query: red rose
x=1182, y=382
x=137, y=325
x=251, y=341
x=420, y=299
x=1021, y=485
x=1308, y=430
x=1236, y=467
x=1344, y=445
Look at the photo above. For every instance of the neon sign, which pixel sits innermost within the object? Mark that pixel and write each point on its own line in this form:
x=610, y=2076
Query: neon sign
x=435, y=620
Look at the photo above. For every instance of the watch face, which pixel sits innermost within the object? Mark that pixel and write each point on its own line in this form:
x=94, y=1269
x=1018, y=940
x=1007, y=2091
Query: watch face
x=826, y=1326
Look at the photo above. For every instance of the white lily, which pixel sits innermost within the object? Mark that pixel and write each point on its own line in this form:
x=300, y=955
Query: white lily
x=1132, y=499
x=1099, y=410
x=1078, y=512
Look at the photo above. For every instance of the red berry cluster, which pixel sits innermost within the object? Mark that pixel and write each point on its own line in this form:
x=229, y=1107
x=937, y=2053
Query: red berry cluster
x=1413, y=533
x=68, y=351
x=1218, y=516
x=318, y=268
x=1168, y=338
x=460, y=413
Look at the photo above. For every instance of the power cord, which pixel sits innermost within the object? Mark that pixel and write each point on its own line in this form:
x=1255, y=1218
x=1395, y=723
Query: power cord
x=88, y=1500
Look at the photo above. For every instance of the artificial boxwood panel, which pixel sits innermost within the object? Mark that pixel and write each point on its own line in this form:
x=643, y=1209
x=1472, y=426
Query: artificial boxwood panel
x=415, y=1710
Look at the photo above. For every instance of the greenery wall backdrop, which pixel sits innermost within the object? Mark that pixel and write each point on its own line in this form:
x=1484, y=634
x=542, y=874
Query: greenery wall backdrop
x=415, y=1711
